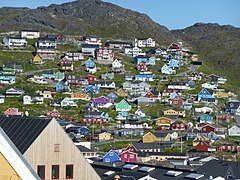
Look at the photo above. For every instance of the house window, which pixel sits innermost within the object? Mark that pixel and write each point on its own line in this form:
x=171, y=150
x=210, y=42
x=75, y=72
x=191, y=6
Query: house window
x=69, y=171
x=107, y=160
x=41, y=171
x=111, y=154
x=131, y=156
x=55, y=171
x=56, y=147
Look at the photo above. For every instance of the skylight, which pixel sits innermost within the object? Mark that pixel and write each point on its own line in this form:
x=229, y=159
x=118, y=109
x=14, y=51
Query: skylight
x=146, y=169
x=108, y=173
x=194, y=176
x=129, y=166
x=173, y=173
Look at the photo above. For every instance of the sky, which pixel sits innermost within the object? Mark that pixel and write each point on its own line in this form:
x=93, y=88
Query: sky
x=174, y=14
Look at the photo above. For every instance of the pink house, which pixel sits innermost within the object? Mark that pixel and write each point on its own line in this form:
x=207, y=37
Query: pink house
x=12, y=112
x=128, y=156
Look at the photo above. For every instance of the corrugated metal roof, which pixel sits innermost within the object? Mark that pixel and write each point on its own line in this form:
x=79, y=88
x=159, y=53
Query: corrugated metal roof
x=23, y=131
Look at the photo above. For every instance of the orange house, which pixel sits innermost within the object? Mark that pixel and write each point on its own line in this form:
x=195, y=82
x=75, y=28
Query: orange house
x=80, y=96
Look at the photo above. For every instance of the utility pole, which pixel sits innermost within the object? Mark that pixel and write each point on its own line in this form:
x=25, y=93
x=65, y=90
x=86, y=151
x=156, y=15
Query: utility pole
x=181, y=144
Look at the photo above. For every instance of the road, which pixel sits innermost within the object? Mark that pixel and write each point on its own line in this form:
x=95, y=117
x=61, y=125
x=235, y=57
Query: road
x=192, y=69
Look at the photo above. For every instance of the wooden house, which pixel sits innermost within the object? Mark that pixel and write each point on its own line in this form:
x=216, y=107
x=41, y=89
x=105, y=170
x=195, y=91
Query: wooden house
x=163, y=121
x=13, y=165
x=171, y=112
x=47, y=149
x=160, y=136
x=80, y=96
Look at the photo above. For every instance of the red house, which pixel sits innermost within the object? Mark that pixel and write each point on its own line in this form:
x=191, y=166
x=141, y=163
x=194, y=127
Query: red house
x=53, y=114
x=93, y=121
x=91, y=79
x=130, y=147
x=105, y=54
x=226, y=148
x=208, y=128
x=174, y=46
x=153, y=94
x=200, y=125
x=167, y=92
x=13, y=112
x=64, y=61
x=128, y=156
x=178, y=125
x=177, y=102
x=141, y=66
x=223, y=117
x=203, y=147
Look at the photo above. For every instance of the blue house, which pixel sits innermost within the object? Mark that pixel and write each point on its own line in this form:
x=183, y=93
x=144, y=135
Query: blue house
x=63, y=86
x=173, y=95
x=112, y=95
x=167, y=70
x=145, y=77
x=174, y=64
x=111, y=156
x=92, y=89
x=49, y=74
x=77, y=130
x=232, y=106
x=89, y=63
x=206, y=118
x=97, y=114
x=169, y=58
x=144, y=59
x=206, y=95
x=128, y=77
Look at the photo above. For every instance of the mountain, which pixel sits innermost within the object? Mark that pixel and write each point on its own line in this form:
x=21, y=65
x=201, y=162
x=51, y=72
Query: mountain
x=84, y=17
x=218, y=47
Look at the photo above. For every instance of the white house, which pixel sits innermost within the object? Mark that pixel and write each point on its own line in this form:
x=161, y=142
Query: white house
x=30, y=34
x=174, y=135
x=38, y=79
x=133, y=51
x=141, y=113
x=27, y=99
x=14, y=42
x=209, y=86
x=104, y=55
x=68, y=102
x=234, y=131
x=117, y=64
x=204, y=110
x=144, y=42
x=178, y=85
x=105, y=84
x=14, y=92
x=2, y=97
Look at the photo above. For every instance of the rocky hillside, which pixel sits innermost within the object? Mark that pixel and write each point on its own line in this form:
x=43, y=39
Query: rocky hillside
x=83, y=17
x=218, y=46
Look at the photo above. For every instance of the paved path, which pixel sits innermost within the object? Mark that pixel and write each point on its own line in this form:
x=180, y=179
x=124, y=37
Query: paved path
x=192, y=69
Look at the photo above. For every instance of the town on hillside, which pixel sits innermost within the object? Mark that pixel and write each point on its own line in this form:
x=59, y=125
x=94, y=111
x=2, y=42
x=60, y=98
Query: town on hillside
x=94, y=108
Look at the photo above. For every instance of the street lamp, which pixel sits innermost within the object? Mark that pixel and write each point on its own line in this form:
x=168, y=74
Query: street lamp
x=128, y=177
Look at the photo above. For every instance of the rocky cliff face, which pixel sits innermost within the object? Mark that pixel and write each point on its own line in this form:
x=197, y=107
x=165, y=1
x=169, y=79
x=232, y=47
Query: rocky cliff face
x=92, y=17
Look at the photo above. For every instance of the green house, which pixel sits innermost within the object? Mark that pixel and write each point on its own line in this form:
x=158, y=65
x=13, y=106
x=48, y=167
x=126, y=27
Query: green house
x=123, y=105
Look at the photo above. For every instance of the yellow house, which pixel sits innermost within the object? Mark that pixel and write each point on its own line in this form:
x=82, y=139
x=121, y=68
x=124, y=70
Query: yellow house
x=160, y=136
x=80, y=96
x=46, y=93
x=37, y=60
x=163, y=121
x=223, y=94
x=121, y=93
x=171, y=112
x=105, y=136
x=67, y=67
x=12, y=163
x=200, y=138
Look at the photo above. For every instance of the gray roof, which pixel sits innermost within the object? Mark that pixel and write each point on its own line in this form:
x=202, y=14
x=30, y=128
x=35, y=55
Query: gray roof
x=84, y=149
x=23, y=131
x=142, y=146
x=220, y=168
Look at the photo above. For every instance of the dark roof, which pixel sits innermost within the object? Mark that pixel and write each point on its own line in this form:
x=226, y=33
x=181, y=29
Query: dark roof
x=146, y=145
x=219, y=168
x=23, y=130
x=145, y=154
x=158, y=172
x=84, y=149
x=28, y=30
x=90, y=46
